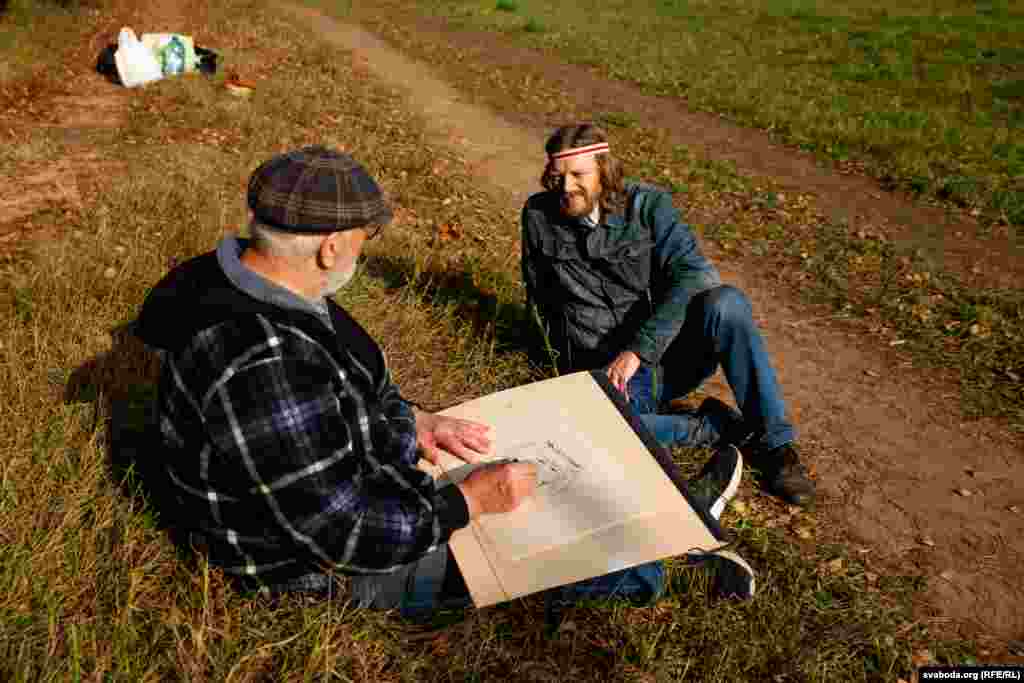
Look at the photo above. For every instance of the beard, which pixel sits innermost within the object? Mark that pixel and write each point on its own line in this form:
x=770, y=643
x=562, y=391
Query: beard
x=579, y=203
x=338, y=279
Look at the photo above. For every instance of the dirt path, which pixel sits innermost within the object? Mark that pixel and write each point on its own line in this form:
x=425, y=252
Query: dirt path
x=952, y=239
x=889, y=446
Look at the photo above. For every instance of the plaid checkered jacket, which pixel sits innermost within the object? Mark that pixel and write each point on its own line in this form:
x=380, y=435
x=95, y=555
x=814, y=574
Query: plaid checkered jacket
x=282, y=451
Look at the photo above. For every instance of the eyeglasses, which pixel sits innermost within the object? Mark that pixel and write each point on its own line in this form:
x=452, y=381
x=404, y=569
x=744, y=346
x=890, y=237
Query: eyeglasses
x=373, y=230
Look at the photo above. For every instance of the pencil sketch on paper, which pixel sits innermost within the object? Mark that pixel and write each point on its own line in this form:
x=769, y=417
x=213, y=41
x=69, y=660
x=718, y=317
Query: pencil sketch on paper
x=556, y=470
x=571, y=501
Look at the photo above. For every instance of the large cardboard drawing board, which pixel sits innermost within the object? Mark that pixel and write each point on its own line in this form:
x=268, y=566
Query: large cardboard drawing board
x=608, y=497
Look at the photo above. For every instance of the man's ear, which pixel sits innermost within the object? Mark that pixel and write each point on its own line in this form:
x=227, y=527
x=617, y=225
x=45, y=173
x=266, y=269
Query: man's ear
x=329, y=251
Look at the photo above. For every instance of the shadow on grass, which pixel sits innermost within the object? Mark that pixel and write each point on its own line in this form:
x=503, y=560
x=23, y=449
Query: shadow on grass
x=122, y=385
x=487, y=307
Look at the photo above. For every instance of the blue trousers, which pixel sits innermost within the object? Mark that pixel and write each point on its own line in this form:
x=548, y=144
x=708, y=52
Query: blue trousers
x=433, y=582
x=719, y=331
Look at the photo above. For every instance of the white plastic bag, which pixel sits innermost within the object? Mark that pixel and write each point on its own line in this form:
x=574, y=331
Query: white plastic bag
x=136, y=65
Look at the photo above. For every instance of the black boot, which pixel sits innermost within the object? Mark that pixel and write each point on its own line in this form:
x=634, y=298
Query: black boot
x=783, y=475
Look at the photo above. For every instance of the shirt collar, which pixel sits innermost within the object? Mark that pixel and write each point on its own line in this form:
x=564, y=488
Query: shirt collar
x=229, y=253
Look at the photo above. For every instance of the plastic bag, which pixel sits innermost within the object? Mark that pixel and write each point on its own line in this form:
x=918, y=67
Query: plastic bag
x=136, y=65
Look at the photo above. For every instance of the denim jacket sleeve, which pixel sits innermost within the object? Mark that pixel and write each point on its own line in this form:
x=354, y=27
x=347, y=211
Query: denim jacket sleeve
x=680, y=271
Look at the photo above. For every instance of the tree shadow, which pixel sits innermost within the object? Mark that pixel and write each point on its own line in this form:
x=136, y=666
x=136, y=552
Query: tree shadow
x=509, y=322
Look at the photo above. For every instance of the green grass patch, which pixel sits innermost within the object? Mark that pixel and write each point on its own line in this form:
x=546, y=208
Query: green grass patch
x=507, y=6
x=922, y=94
x=533, y=25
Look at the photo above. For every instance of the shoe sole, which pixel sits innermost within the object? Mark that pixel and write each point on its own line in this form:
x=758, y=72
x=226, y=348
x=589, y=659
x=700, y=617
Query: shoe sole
x=696, y=559
x=718, y=507
x=746, y=567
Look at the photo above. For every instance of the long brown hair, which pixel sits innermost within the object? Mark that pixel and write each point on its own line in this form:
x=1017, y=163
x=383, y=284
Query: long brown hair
x=613, y=191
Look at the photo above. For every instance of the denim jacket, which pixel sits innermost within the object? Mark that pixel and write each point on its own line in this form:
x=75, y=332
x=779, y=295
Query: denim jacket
x=621, y=285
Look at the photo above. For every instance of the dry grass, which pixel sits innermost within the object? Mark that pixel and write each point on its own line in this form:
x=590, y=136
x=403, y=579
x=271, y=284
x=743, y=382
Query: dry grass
x=91, y=588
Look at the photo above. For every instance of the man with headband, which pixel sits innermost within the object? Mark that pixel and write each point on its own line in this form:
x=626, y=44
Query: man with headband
x=618, y=281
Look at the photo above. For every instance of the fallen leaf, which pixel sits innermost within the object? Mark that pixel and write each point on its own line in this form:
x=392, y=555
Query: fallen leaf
x=871, y=373
x=804, y=533
x=835, y=566
x=922, y=658
x=947, y=575
x=928, y=542
x=449, y=231
x=110, y=273
x=966, y=493
x=897, y=342
x=1014, y=509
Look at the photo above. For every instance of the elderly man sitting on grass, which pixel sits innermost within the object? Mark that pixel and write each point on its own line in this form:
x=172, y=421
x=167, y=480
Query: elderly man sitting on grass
x=289, y=452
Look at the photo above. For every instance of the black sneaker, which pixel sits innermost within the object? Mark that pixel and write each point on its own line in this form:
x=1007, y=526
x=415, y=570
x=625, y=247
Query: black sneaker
x=718, y=481
x=729, y=574
x=786, y=477
x=726, y=419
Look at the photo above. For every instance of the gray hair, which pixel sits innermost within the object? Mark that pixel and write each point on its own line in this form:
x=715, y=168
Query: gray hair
x=284, y=245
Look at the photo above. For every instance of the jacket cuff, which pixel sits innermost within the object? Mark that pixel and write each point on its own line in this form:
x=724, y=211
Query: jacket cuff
x=645, y=349
x=452, y=511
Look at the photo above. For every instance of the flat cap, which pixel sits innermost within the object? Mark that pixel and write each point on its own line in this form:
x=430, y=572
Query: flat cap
x=315, y=190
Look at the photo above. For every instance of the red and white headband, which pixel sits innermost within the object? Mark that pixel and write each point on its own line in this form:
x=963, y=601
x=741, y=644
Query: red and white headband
x=585, y=151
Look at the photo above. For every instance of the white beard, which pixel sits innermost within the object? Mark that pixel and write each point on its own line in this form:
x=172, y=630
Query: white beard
x=338, y=279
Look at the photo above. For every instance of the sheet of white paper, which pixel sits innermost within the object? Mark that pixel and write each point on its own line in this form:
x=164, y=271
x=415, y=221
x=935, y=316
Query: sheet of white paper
x=603, y=502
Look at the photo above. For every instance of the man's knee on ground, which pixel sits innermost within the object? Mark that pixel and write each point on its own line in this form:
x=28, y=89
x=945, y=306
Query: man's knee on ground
x=730, y=305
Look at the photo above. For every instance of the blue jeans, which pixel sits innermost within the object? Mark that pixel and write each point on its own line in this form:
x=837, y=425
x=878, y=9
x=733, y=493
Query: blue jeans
x=433, y=582
x=719, y=331
x=642, y=584
x=416, y=590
